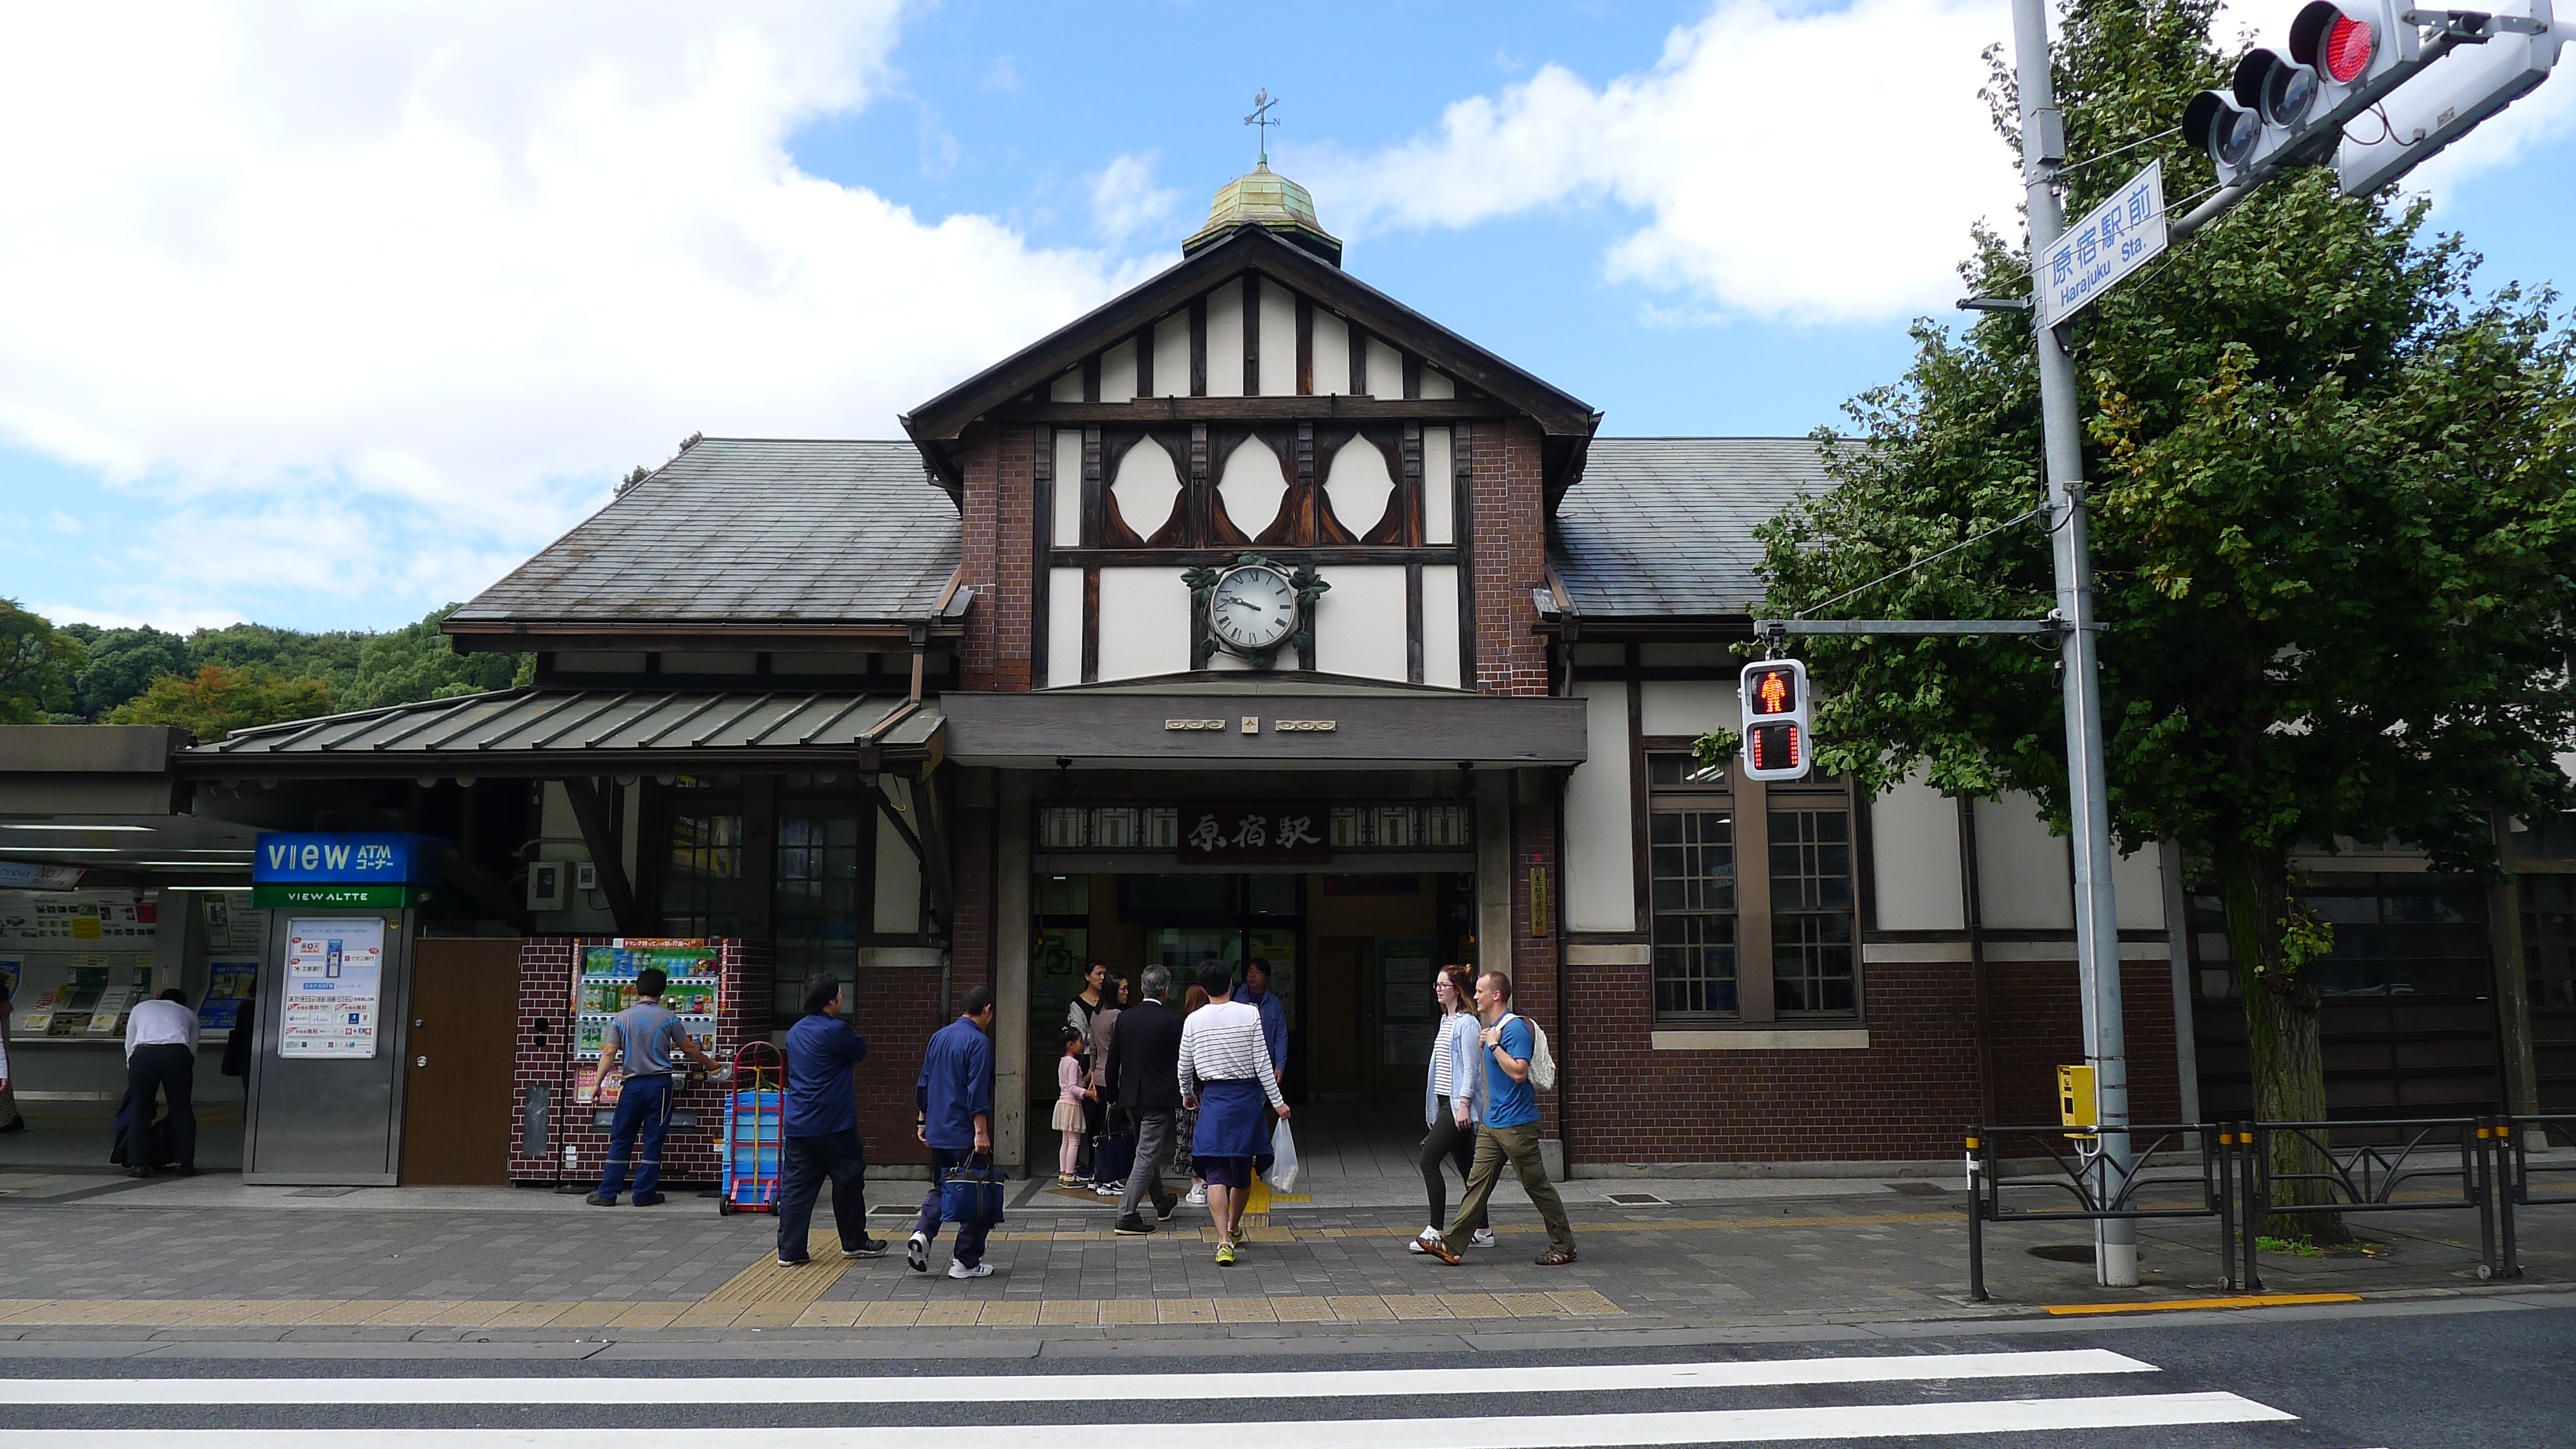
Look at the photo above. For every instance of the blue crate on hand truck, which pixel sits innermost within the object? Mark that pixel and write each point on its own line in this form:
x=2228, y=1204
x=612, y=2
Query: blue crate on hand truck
x=755, y=1125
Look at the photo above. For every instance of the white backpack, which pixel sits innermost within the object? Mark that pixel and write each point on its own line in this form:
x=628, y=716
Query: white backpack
x=1542, y=1062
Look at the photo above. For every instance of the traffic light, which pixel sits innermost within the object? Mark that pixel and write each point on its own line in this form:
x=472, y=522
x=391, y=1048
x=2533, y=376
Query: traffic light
x=1776, y=742
x=2360, y=87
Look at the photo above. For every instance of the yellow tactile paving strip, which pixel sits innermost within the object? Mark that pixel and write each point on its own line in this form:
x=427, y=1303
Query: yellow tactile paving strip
x=1256, y=1232
x=167, y=1313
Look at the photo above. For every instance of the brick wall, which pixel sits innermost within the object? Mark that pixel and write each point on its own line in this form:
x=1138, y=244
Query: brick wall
x=1000, y=557
x=1534, y=957
x=979, y=563
x=1509, y=537
x=690, y=1155
x=1906, y=1097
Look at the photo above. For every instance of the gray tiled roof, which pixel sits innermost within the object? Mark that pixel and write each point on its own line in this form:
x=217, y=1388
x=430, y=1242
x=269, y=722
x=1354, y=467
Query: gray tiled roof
x=601, y=722
x=749, y=529
x=1663, y=527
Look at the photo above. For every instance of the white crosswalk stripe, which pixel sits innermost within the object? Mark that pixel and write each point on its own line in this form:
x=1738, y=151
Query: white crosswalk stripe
x=1069, y=1388
x=1661, y=1404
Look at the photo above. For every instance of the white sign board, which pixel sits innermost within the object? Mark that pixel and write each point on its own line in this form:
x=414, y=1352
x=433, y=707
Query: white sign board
x=2113, y=240
x=334, y=970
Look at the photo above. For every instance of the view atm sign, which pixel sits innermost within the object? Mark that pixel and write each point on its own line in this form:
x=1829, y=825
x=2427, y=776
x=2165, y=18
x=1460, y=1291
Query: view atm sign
x=356, y=859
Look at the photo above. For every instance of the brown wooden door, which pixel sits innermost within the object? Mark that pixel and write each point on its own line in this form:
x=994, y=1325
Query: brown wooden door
x=464, y=1041
x=1336, y=1051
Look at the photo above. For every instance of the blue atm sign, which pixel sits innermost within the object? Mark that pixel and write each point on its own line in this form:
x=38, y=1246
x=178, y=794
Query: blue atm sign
x=356, y=859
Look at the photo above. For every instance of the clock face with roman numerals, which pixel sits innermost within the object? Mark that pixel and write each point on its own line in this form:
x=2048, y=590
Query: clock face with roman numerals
x=1252, y=608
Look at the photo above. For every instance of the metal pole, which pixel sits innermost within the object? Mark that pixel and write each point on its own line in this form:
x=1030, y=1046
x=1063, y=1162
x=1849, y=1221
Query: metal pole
x=2097, y=941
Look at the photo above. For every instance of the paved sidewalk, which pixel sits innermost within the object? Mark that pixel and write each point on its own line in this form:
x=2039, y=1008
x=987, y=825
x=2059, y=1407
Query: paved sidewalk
x=208, y=1257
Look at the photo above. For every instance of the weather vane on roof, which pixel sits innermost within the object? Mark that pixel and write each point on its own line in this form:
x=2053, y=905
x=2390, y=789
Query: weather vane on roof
x=1261, y=104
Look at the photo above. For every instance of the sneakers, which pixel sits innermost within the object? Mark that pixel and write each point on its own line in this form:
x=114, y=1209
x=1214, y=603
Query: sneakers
x=867, y=1248
x=916, y=1253
x=1484, y=1238
x=1067, y=1179
x=1110, y=1189
x=595, y=1200
x=785, y=1261
x=1132, y=1225
x=1198, y=1195
x=1164, y=1205
x=1225, y=1253
x=960, y=1270
x=1427, y=1235
x=646, y=1199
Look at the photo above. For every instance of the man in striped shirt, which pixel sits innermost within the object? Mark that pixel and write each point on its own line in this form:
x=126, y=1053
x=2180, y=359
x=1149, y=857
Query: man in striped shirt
x=1226, y=1076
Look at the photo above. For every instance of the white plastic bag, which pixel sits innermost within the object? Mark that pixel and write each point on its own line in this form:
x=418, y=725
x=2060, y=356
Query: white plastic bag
x=1283, y=1159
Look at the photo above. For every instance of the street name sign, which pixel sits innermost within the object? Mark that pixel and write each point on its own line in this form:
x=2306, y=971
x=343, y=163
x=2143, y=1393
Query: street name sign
x=2113, y=240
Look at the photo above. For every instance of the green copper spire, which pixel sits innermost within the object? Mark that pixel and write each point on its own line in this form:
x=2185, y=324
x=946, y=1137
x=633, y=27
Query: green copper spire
x=1262, y=197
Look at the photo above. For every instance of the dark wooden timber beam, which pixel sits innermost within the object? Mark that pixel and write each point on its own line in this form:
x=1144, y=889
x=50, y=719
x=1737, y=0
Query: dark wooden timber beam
x=1158, y=410
x=607, y=853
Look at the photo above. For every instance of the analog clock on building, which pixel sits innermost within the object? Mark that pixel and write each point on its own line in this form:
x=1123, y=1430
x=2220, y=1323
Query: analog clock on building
x=1253, y=608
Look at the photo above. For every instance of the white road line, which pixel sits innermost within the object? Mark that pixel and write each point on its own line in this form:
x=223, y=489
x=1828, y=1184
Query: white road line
x=1077, y=1388
x=1573, y=1431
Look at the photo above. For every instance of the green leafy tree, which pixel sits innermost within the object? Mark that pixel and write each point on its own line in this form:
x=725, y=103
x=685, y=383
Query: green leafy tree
x=415, y=662
x=2333, y=529
x=217, y=700
x=122, y=664
x=38, y=666
x=330, y=657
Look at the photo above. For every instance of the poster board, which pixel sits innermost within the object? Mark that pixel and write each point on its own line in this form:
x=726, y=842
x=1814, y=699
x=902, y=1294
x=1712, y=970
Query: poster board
x=228, y=989
x=334, y=979
x=1408, y=1014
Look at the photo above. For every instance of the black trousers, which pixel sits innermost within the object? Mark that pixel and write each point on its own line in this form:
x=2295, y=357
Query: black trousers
x=170, y=1069
x=808, y=1160
x=1445, y=1142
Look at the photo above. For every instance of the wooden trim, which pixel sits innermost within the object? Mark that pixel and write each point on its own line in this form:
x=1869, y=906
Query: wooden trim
x=1640, y=801
x=1413, y=623
x=1462, y=527
x=1252, y=334
x=1091, y=624
x=1224, y=554
x=1041, y=548
x=607, y=845
x=1306, y=497
x=1145, y=361
x=1412, y=377
x=1145, y=411
x=1305, y=346
x=1197, y=486
x=1091, y=378
x=1408, y=485
x=1198, y=347
x=1359, y=358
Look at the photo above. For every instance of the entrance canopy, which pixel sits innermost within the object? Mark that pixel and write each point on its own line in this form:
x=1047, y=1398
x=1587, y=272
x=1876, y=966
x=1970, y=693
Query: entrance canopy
x=548, y=733
x=1269, y=726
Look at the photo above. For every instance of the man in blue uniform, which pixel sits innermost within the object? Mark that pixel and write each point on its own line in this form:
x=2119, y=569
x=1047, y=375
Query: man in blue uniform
x=955, y=1095
x=641, y=1039
x=1274, y=1015
x=822, y=1129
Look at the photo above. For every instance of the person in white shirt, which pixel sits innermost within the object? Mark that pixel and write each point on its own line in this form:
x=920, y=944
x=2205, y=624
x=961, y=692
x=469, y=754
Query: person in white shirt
x=161, y=1058
x=1225, y=1074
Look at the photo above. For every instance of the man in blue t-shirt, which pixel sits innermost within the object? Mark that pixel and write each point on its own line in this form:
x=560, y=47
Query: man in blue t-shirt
x=1510, y=1131
x=821, y=1129
x=955, y=1095
x=641, y=1041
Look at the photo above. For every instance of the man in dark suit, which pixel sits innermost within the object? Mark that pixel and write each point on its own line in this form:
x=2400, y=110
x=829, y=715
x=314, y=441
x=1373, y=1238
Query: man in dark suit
x=1145, y=1080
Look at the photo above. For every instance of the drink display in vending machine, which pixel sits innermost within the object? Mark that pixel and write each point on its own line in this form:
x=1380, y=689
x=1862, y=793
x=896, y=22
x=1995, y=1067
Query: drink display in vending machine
x=694, y=989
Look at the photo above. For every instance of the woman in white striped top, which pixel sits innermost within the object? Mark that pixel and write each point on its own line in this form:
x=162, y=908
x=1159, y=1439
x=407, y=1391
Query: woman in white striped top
x=1226, y=1074
x=1453, y=1098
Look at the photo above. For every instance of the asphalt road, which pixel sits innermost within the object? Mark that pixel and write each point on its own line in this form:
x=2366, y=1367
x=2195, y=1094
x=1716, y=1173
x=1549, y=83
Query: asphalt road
x=2435, y=1374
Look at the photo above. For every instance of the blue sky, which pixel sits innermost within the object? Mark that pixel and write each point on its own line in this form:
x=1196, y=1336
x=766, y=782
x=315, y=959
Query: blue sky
x=325, y=321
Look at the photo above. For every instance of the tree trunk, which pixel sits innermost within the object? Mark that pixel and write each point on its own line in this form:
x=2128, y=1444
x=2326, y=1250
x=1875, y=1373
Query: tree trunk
x=2283, y=1030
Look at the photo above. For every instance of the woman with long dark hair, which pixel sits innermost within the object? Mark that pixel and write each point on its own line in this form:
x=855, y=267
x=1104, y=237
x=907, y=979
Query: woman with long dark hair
x=1453, y=1099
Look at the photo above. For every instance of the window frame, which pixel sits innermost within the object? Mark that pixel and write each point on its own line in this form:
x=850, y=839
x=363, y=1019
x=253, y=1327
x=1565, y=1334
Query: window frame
x=1752, y=801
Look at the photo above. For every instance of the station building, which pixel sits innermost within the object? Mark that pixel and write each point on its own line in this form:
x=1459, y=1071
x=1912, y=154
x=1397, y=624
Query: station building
x=1256, y=614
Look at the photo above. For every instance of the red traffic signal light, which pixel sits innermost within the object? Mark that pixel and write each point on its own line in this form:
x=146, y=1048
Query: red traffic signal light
x=2334, y=41
x=1771, y=689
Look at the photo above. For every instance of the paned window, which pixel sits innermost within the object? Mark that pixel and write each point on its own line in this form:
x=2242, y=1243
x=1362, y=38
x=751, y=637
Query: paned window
x=817, y=894
x=1690, y=861
x=1811, y=907
x=702, y=865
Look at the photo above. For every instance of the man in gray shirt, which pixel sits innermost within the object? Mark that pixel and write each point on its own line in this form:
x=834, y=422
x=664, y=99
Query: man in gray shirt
x=642, y=1039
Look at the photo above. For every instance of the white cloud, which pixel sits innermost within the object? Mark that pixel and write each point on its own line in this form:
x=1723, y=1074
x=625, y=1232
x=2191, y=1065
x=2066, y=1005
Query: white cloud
x=1125, y=201
x=63, y=522
x=380, y=297
x=1792, y=163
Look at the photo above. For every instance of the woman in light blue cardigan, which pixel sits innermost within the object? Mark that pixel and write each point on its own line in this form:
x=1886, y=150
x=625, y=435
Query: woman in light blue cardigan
x=1453, y=1098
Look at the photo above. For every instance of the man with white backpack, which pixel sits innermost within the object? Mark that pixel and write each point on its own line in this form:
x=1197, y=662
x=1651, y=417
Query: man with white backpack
x=1517, y=1063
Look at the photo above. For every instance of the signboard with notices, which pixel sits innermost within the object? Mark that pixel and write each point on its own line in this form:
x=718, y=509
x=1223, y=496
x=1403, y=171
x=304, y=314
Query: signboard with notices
x=2113, y=240
x=78, y=920
x=334, y=977
x=1232, y=833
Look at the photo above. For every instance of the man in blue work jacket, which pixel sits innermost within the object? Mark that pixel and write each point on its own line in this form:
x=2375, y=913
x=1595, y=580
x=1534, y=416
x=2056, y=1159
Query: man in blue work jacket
x=822, y=1129
x=955, y=1095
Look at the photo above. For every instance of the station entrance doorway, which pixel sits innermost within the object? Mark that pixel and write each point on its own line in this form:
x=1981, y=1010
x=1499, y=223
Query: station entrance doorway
x=1352, y=960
